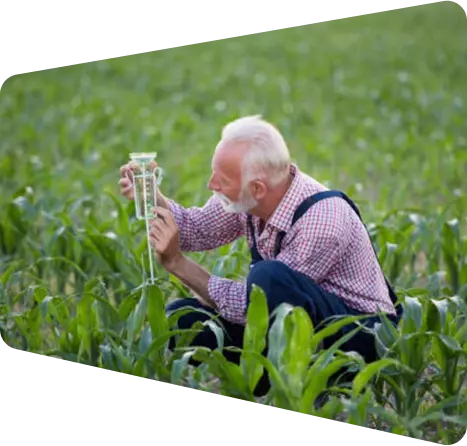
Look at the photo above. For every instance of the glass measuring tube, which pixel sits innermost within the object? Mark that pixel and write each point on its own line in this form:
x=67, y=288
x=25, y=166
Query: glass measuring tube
x=145, y=181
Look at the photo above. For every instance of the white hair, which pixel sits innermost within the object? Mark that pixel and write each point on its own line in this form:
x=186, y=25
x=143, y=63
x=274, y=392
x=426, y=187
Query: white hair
x=267, y=156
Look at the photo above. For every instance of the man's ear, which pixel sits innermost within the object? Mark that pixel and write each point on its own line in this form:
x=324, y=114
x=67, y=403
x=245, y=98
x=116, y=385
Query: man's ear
x=258, y=189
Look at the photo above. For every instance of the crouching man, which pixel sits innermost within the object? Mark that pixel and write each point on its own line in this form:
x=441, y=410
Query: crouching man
x=309, y=246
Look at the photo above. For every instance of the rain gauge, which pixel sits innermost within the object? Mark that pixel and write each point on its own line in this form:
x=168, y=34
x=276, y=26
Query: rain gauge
x=145, y=180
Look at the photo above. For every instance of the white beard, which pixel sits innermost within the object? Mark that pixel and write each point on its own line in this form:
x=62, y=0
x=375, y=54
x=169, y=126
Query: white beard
x=243, y=205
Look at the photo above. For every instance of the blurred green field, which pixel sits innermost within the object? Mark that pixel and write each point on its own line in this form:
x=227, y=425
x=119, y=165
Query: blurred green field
x=377, y=100
x=372, y=105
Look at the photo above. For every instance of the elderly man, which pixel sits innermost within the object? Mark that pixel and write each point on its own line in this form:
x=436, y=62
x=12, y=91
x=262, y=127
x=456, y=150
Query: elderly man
x=308, y=245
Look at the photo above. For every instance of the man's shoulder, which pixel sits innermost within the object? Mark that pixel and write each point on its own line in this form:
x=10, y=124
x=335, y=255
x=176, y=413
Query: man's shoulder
x=312, y=187
x=329, y=211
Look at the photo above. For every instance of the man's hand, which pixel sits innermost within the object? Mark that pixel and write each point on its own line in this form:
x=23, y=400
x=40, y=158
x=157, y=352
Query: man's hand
x=165, y=238
x=126, y=183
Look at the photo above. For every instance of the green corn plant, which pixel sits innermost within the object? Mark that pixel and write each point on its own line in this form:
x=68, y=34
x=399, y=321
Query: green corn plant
x=240, y=380
x=78, y=323
x=112, y=260
x=408, y=246
x=447, y=322
x=299, y=373
x=317, y=372
x=27, y=320
x=14, y=226
x=454, y=254
x=428, y=346
x=71, y=327
x=140, y=346
x=363, y=401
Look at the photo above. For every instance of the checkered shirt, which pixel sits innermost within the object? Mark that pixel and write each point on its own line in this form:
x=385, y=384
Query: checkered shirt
x=329, y=244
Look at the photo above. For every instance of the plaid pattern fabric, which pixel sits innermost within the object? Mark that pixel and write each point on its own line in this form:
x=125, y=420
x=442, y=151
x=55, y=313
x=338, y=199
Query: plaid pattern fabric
x=329, y=244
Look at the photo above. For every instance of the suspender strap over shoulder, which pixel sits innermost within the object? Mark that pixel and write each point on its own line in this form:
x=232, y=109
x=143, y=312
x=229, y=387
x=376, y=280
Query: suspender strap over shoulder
x=303, y=208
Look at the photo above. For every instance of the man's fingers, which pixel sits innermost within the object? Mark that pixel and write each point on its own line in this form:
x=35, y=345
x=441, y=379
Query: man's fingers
x=155, y=223
x=154, y=243
x=128, y=192
x=125, y=172
x=161, y=221
x=159, y=218
x=164, y=212
x=166, y=215
x=158, y=231
x=134, y=166
x=131, y=166
x=126, y=189
x=156, y=235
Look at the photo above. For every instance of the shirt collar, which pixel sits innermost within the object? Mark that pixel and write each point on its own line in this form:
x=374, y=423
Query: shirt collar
x=281, y=218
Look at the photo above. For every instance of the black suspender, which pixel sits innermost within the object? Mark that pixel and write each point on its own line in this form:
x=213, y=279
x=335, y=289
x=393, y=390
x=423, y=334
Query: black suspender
x=299, y=212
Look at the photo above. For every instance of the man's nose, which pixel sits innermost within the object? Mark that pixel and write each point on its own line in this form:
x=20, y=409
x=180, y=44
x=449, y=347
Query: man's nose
x=212, y=185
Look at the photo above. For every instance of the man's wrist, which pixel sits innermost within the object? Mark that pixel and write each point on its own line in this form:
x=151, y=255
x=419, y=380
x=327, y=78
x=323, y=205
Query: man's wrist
x=176, y=264
x=193, y=276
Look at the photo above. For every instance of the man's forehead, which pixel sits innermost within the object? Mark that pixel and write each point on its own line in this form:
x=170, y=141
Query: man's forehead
x=228, y=156
x=230, y=149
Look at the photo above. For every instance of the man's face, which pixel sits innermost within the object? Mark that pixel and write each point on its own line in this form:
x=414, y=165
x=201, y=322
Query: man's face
x=243, y=204
x=226, y=179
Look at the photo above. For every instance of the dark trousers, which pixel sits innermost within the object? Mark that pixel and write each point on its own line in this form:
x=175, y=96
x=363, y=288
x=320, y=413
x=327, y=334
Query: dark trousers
x=282, y=284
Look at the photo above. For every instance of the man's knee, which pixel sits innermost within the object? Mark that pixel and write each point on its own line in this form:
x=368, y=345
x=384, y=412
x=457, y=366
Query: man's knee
x=265, y=271
x=282, y=284
x=267, y=275
x=175, y=305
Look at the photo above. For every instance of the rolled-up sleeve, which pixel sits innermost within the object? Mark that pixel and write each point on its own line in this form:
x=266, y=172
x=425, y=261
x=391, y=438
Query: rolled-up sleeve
x=230, y=298
x=205, y=228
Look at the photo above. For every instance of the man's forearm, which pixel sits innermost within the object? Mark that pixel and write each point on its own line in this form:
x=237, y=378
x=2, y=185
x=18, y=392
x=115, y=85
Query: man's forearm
x=162, y=200
x=194, y=277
